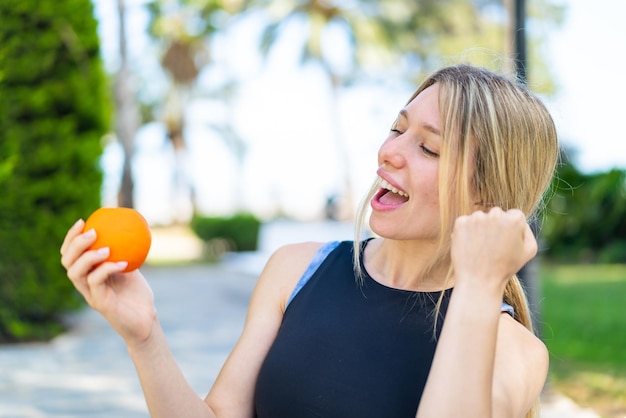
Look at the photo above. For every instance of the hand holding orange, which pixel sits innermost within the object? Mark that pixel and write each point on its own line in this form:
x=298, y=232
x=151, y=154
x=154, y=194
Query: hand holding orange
x=125, y=231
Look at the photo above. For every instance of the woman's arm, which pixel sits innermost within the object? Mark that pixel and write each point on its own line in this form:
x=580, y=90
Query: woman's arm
x=486, y=364
x=232, y=394
x=166, y=390
x=126, y=302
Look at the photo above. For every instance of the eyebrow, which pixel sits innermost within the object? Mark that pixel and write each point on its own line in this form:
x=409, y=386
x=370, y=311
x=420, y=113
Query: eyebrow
x=425, y=125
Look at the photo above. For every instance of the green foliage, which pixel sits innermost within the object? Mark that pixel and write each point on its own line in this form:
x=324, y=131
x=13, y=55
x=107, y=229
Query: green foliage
x=241, y=230
x=583, y=322
x=586, y=217
x=52, y=117
x=583, y=313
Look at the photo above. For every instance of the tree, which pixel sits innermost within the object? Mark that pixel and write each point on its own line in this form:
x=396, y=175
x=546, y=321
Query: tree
x=370, y=30
x=184, y=29
x=127, y=116
x=586, y=217
x=415, y=36
x=53, y=114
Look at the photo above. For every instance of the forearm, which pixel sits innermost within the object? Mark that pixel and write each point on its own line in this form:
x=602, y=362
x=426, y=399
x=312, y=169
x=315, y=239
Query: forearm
x=460, y=381
x=167, y=392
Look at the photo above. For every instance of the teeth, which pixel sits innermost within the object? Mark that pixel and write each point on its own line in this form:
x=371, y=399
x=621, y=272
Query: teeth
x=385, y=185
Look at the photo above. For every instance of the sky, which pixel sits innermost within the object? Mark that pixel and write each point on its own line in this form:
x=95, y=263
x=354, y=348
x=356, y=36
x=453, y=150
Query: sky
x=285, y=118
x=588, y=54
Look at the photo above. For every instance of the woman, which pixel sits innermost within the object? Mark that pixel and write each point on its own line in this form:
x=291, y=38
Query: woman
x=426, y=320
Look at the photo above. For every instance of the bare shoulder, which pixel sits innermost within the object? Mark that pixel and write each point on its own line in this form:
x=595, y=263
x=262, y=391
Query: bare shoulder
x=521, y=366
x=285, y=267
x=291, y=258
x=522, y=342
x=233, y=391
x=295, y=253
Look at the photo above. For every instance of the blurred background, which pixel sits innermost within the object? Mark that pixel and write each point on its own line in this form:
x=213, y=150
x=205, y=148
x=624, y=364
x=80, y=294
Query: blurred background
x=213, y=117
x=284, y=82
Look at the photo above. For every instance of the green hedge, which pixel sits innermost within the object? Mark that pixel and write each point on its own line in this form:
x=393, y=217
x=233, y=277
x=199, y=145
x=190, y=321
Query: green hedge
x=586, y=217
x=53, y=113
x=241, y=231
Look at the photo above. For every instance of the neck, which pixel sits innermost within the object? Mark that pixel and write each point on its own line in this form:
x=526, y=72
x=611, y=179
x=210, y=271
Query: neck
x=406, y=265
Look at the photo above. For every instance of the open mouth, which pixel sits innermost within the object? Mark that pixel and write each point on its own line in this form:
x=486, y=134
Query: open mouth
x=390, y=195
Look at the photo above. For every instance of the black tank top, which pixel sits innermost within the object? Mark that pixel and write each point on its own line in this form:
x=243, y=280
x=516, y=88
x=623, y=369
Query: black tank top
x=349, y=347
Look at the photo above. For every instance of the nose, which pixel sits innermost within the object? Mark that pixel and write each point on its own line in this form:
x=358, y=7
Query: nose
x=392, y=152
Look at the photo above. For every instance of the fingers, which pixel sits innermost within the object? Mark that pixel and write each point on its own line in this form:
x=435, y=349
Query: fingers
x=515, y=220
x=526, y=247
x=75, y=243
x=91, y=282
x=95, y=286
x=530, y=242
x=495, y=242
x=79, y=270
x=71, y=234
x=495, y=221
x=86, y=268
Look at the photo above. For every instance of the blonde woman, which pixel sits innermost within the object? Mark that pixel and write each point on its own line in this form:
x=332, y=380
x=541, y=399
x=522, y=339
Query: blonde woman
x=427, y=319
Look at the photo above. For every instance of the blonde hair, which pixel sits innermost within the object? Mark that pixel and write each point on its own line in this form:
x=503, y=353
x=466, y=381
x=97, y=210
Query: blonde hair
x=499, y=148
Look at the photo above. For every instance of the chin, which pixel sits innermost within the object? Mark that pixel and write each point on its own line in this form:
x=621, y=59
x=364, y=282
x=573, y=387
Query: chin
x=385, y=228
x=392, y=228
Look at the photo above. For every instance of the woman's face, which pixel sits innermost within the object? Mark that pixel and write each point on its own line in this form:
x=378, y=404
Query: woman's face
x=407, y=206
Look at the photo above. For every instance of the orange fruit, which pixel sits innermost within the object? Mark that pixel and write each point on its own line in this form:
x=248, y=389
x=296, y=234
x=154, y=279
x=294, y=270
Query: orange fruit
x=126, y=233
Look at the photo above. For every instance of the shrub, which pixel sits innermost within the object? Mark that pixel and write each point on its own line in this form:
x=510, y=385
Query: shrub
x=241, y=230
x=586, y=218
x=52, y=117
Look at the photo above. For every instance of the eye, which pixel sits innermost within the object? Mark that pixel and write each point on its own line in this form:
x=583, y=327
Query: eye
x=428, y=152
x=394, y=128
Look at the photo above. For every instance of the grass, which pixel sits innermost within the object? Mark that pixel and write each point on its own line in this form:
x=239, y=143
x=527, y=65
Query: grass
x=583, y=323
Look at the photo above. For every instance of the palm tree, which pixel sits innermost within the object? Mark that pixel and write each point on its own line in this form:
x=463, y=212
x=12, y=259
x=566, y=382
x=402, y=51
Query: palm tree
x=184, y=29
x=126, y=114
x=387, y=33
x=416, y=34
x=377, y=32
x=316, y=17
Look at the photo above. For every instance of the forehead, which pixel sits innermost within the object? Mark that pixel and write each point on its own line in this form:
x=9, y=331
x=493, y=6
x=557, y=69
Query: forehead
x=424, y=108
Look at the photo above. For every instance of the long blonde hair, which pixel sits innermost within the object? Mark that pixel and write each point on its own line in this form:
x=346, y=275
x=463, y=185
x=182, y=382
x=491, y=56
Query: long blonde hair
x=499, y=148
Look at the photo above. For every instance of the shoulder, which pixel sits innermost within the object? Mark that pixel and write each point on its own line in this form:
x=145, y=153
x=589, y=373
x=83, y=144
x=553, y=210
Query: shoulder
x=520, y=341
x=521, y=365
x=285, y=267
x=234, y=387
x=293, y=257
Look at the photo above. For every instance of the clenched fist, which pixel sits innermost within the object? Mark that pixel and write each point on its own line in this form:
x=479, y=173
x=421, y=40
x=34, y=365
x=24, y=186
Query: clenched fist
x=491, y=247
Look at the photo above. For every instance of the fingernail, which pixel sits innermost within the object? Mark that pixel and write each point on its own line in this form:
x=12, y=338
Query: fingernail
x=103, y=251
x=77, y=223
x=121, y=264
x=91, y=233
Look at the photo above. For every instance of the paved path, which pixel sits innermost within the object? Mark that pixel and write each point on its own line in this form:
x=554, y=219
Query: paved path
x=86, y=373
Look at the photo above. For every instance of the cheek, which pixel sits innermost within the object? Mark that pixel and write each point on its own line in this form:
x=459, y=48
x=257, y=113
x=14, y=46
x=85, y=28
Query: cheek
x=431, y=187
